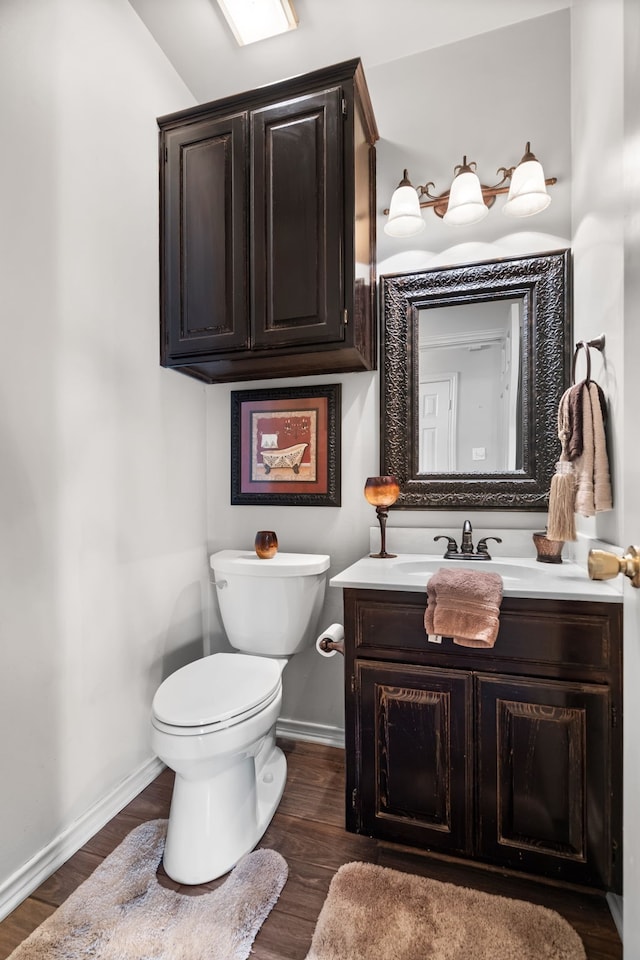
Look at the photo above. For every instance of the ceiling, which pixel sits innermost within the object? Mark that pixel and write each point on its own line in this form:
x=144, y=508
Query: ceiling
x=196, y=39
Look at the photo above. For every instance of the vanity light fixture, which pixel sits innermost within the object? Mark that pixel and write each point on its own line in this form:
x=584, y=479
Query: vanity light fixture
x=252, y=20
x=468, y=200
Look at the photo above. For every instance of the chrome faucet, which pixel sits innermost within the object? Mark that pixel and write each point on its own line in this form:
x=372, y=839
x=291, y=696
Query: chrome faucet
x=466, y=551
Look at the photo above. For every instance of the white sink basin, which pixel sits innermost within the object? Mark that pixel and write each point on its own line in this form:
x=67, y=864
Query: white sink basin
x=512, y=570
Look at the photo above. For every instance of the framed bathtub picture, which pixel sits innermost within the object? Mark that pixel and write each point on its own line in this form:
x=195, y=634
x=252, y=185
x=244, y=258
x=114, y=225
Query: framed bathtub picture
x=285, y=446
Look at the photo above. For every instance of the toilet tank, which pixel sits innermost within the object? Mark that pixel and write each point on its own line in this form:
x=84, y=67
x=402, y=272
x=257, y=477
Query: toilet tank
x=270, y=607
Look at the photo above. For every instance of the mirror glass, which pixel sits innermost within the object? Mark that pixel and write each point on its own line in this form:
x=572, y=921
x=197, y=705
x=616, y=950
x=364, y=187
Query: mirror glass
x=475, y=360
x=469, y=387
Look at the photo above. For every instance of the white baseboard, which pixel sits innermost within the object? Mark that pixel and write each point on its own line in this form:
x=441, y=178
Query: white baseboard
x=313, y=732
x=28, y=878
x=25, y=880
x=614, y=902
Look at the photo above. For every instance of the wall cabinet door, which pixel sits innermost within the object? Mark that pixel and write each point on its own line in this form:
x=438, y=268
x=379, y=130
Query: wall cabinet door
x=205, y=302
x=296, y=227
x=268, y=224
x=544, y=777
x=415, y=779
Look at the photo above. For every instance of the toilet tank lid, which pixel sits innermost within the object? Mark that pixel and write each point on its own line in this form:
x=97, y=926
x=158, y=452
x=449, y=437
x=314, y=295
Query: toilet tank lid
x=247, y=563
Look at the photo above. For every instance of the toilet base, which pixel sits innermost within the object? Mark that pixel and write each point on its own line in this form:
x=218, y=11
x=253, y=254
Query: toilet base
x=214, y=821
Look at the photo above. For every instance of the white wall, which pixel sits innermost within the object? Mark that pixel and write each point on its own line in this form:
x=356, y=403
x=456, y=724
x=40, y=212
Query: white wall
x=629, y=467
x=606, y=212
x=102, y=486
x=598, y=218
x=483, y=98
x=474, y=96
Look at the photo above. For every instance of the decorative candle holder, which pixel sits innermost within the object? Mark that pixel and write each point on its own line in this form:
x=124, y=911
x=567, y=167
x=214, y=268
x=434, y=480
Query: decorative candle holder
x=382, y=492
x=266, y=544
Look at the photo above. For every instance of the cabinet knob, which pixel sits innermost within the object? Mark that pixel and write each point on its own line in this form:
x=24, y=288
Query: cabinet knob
x=603, y=565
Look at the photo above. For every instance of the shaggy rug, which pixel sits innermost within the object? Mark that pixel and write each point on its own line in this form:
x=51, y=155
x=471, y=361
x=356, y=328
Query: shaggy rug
x=122, y=913
x=374, y=913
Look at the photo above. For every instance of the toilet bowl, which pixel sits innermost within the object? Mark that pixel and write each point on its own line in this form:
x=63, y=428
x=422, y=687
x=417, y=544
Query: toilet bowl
x=213, y=721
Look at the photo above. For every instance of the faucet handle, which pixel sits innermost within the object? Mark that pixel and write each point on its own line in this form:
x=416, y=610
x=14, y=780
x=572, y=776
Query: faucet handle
x=452, y=546
x=482, y=545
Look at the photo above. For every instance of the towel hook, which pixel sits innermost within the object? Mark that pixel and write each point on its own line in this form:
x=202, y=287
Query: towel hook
x=597, y=343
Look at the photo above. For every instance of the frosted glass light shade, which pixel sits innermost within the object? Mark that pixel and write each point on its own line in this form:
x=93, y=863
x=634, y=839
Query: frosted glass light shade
x=466, y=204
x=528, y=192
x=405, y=218
x=252, y=20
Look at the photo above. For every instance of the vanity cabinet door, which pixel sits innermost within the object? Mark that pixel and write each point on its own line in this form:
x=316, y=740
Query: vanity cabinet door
x=544, y=777
x=414, y=766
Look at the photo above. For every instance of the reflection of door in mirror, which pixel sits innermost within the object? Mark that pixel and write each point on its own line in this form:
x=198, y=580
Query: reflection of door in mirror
x=437, y=423
x=469, y=403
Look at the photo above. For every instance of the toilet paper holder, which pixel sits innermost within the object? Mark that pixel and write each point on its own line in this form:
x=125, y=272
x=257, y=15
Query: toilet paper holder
x=331, y=641
x=328, y=645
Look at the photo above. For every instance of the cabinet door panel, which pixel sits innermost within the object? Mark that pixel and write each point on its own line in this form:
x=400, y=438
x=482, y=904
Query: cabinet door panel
x=297, y=202
x=205, y=299
x=414, y=783
x=544, y=777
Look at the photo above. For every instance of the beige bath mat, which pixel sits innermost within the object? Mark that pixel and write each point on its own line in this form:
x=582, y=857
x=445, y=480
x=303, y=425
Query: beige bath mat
x=122, y=913
x=374, y=913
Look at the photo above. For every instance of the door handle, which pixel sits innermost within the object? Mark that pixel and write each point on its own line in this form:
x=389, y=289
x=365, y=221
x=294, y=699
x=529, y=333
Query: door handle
x=603, y=565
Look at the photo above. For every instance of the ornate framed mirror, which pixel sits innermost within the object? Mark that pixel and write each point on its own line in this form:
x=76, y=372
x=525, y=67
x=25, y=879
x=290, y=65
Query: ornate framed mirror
x=475, y=360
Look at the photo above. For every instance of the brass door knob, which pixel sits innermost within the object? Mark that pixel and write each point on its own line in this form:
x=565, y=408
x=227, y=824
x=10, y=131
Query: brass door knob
x=603, y=565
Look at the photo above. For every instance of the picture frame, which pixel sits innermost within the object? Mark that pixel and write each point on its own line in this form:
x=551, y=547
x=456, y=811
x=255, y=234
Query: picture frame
x=286, y=446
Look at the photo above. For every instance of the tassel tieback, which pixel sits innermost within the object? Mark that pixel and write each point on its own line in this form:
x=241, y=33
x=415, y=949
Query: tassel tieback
x=561, y=524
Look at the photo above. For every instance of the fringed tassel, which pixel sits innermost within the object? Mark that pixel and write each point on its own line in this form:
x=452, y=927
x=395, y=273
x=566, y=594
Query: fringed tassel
x=562, y=495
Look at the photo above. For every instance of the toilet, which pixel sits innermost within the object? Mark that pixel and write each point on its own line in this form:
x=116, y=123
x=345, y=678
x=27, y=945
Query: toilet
x=213, y=721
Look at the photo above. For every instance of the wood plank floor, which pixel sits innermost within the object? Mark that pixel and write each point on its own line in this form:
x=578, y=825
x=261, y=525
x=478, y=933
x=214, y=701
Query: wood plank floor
x=308, y=831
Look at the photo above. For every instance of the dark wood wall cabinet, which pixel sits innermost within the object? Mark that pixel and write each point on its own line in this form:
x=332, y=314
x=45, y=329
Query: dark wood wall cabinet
x=509, y=756
x=267, y=220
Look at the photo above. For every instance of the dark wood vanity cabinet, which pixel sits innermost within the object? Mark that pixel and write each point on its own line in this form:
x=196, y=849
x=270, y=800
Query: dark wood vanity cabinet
x=268, y=231
x=510, y=756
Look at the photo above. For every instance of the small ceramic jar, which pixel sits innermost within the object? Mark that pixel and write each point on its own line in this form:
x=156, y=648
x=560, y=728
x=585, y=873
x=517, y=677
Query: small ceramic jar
x=266, y=544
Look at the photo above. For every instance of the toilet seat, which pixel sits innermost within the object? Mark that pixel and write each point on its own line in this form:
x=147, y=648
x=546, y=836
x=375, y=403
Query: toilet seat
x=215, y=692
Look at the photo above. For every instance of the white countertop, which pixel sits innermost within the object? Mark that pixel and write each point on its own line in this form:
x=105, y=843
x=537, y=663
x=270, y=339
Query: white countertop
x=521, y=577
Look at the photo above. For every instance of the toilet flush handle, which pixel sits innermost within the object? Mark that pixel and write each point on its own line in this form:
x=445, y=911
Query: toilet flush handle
x=220, y=583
